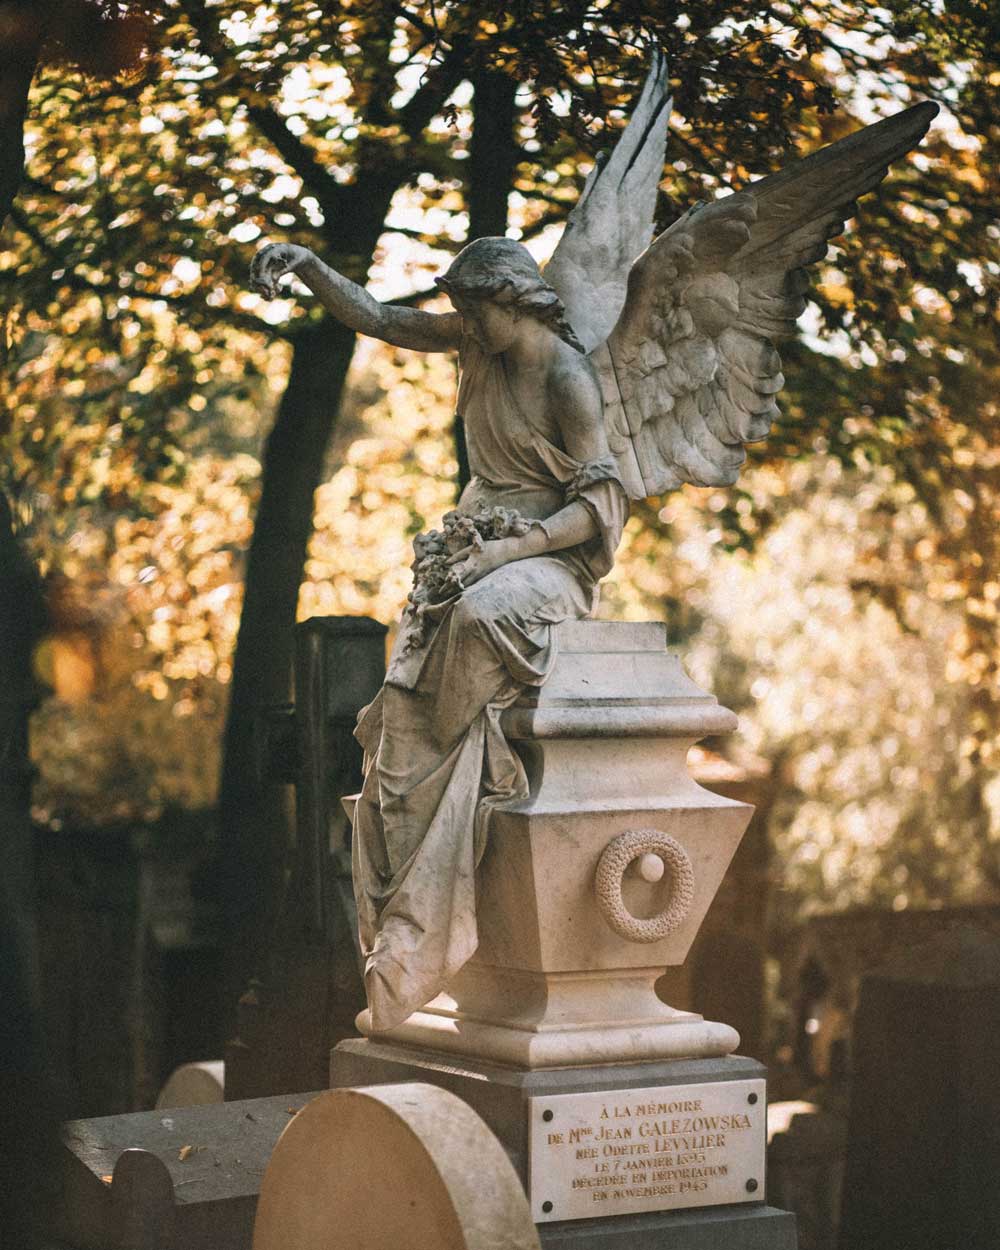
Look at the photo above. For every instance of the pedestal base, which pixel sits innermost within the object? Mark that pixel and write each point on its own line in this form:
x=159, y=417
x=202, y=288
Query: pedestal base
x=757, y=1227
x=673, y=1035
x=503, y=1097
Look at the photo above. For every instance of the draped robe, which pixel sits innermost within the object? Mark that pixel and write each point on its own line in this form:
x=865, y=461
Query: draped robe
x=436, y=760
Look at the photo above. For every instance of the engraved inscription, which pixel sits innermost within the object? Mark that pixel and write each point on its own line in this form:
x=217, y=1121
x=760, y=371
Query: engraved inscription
x=646, y=1149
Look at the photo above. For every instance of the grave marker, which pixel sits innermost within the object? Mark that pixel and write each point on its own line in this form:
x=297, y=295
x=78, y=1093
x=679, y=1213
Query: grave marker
x=923, y=1160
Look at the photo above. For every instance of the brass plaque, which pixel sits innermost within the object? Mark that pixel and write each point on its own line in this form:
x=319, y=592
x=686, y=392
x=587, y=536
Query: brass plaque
x=657, y=1149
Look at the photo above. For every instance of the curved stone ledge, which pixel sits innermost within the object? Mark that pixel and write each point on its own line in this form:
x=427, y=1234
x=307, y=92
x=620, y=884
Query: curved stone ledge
x=694, y=721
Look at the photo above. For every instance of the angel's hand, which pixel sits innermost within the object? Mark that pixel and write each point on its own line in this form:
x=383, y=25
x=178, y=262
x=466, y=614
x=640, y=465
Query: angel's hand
x=271, y=264
x=472, y=564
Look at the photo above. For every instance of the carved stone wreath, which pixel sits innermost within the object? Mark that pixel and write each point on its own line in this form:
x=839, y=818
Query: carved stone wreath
x=611, y=868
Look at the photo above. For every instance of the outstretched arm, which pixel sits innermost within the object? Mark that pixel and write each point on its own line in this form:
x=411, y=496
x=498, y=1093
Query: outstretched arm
x=351, y=304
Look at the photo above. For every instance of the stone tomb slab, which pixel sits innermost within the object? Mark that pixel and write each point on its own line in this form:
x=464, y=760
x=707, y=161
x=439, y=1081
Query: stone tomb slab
x=185, y=1178
x=507, y=1099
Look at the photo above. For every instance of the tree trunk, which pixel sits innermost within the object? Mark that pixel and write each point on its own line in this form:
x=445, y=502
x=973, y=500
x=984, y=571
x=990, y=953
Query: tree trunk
x=492, y=153
x=253, y=816
x=492, y=161
x=28, y=1142
x=19, y=43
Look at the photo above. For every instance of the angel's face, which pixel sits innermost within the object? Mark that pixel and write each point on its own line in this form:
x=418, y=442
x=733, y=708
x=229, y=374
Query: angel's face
x=493, y=326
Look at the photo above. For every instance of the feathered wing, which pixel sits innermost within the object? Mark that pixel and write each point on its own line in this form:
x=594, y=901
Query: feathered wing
x=690, y=372
x=613, y=220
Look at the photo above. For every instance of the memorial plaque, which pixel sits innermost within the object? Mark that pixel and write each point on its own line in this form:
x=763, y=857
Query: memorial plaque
x=634, y=1150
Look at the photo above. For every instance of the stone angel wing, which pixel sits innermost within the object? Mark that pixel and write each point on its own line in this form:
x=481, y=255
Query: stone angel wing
x=613, y=219
x=689, y=371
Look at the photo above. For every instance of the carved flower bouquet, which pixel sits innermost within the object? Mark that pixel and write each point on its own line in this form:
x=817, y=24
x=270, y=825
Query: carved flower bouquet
x=434, y=579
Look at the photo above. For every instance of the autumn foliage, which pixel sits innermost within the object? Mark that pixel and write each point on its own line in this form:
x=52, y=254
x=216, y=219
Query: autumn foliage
x=843, y=597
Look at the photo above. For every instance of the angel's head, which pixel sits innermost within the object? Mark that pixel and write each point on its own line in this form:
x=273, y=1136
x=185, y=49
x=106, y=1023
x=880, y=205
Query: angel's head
x=494, y=283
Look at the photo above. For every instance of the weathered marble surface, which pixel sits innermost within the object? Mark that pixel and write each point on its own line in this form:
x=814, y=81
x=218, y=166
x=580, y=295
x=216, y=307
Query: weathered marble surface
x=604, y=744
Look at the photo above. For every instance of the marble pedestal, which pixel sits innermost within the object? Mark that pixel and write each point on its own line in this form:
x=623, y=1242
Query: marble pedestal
x=601, y=877
x=590, y=887
x=502, y=1097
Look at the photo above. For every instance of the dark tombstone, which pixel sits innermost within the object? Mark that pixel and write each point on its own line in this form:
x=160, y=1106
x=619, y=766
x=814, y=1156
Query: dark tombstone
x=727, y=973
x=805, y=1172
x=142, y=1200
x=923, y=1156
x=129, y=958
x=308, y=994
x=814, y=986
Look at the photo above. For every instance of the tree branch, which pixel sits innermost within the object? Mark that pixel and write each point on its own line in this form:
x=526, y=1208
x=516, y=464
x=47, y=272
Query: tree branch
x=300, y=157
x=297, y=154
x=438, y=84
x=238, y=320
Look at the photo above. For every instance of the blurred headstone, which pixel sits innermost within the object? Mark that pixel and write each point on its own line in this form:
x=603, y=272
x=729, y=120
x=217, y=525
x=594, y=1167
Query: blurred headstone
x=805, y=1169
x=130, y=958
x=306, y=998
x=194, y=1085
x=923, y=1156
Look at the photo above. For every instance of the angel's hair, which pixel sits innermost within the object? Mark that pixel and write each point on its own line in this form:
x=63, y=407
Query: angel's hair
x=505, y=271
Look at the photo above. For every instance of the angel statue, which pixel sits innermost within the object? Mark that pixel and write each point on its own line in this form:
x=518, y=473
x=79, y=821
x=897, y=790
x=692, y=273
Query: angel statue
x=628, y=367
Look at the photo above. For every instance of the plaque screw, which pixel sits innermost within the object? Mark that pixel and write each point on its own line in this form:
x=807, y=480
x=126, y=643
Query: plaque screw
x=751, y=1186
x=546, y=1207
x=751, y=1099
x=546, y=1116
